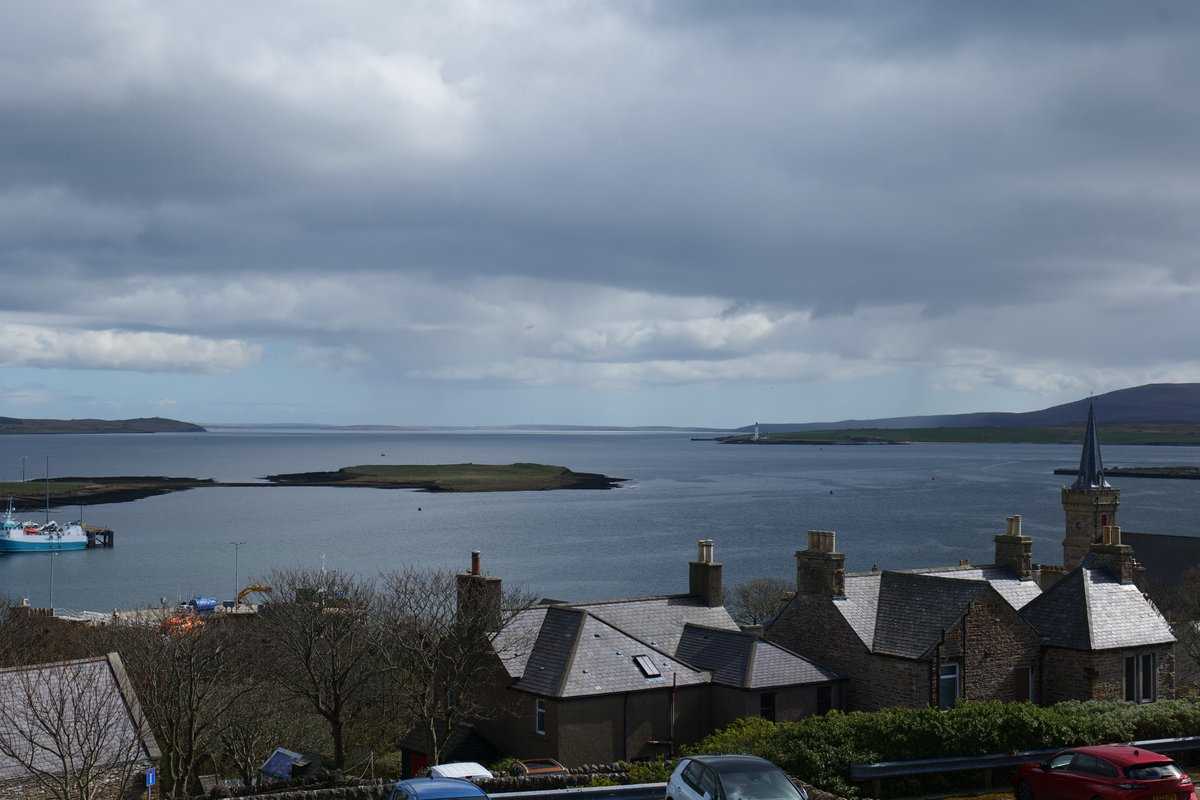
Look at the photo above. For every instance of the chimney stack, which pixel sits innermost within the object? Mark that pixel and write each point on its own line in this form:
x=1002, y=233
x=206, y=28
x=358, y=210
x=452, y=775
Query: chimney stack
x=704, y=575
x=479, y=596
x=1110, y=553
x=1015, y=550
x=821, y=570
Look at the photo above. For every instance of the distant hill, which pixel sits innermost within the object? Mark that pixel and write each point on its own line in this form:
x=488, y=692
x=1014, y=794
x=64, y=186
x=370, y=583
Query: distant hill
x=140, y=425
x=1154, y=403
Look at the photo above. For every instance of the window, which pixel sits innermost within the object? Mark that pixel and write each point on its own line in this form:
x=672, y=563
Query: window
x=1022, y=684
x=692, y=774
x=947, y=686
x=1140, y=674
x=824, y=699
x=766, y=706
x=539, y=717
x=646, y=665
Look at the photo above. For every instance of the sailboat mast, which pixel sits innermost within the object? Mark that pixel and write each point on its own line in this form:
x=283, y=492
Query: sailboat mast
x=47, y=490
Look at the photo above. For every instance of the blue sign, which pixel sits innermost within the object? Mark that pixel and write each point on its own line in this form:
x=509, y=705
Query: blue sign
x=151, y=775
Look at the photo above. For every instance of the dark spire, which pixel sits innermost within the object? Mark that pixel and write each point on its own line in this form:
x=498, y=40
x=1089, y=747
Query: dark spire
x=1091, y=467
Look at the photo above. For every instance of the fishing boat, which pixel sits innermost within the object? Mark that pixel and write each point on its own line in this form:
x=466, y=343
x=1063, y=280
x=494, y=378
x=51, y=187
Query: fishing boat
x=29, y=537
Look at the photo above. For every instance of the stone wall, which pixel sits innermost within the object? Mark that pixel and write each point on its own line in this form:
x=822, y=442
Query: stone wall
x=1083, y=675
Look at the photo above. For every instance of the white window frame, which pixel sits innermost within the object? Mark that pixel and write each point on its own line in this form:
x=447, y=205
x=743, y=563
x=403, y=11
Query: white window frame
x=1140, y=670
x=539, y=717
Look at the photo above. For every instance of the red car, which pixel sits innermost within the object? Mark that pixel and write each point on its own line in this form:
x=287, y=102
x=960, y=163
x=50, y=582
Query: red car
x=1103, y=771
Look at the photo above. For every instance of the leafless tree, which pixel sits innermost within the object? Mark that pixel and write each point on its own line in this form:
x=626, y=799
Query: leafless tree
x=317, y=646
x=445, y=647
x=188, y=679
x=758, y=600
x=68, y=729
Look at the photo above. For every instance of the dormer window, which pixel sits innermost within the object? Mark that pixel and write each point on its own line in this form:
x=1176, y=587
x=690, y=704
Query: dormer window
x=647, y=666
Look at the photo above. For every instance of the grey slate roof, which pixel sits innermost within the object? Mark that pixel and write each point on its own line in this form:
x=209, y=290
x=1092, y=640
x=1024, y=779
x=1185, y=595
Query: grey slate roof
x=659, y=621
x=1003, y=579
x=746, y=661
x=914, y=610
x=93, y=700
x=1090, y=609
x=860, y=605
x=577, y=655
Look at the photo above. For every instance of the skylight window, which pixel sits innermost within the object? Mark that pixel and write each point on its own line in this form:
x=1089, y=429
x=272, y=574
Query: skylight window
x=647, y=666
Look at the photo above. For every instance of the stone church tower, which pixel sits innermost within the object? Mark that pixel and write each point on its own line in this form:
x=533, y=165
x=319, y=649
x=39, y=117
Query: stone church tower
x=1090, y=503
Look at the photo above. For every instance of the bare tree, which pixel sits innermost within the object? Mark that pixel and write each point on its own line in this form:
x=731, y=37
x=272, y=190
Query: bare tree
x=445, y=636
x=317, y=646
x=758, y=600
x=188, y=680
x=69, y=729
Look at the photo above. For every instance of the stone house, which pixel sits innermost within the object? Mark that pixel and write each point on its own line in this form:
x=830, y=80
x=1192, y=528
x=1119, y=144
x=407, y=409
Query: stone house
x=72, y=727
x=1006, y=631
x=926, y=637
x=597, y=682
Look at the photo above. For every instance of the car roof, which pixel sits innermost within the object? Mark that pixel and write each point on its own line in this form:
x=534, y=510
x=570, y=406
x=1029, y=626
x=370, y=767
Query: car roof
x=1122, y=755
x=440, y=788
x=460, y=769
x=732, y=761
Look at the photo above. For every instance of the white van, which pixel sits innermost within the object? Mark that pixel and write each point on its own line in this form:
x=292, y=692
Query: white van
x=460, y=769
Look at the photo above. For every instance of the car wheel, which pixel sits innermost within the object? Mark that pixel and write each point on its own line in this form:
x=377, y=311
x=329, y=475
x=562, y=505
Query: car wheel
x=1024, y=791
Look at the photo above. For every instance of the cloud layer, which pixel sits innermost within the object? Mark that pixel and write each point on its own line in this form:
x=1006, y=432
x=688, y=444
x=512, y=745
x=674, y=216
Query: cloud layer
x=961, y=207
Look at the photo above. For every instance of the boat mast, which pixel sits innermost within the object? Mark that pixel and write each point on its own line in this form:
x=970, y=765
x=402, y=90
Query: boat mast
x=47, y=490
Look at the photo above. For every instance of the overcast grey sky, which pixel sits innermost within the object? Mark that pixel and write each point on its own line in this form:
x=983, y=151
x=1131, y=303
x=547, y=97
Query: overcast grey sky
x=686, y=213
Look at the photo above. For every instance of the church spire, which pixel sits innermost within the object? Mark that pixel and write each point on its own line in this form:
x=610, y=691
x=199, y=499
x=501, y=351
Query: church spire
x=1091, y=466
x=1090, y=503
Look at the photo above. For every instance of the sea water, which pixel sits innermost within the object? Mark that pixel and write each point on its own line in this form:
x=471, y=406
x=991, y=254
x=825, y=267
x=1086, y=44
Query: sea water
x=894, y=507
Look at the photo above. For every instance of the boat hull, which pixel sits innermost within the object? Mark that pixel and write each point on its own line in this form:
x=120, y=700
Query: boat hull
x=46, y=545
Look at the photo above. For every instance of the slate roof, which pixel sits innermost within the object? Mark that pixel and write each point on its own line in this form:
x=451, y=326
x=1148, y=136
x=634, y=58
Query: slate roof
x=659, y=621
x=36, y=698
x=746, y=661
x=1167, y=559
x=860, y=605
x=914, y=609
x=577, y=654
x=1003, y=579
x=1090, y=609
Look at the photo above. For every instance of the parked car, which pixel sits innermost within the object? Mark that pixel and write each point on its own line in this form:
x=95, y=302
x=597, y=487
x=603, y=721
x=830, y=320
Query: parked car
x=460, y=769
x=1103, y=771
x=436, y=789
x=537, y=766
x=731, y=778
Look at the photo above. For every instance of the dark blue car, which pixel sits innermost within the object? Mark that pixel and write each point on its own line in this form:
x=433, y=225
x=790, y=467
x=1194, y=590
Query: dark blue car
x=436, y=789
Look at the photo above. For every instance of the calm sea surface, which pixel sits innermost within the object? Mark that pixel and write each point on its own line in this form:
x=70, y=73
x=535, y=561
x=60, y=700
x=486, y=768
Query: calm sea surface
x=897, y=507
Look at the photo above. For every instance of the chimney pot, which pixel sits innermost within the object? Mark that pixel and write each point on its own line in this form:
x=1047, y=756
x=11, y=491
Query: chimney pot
x=822, y=541
x=476, y=567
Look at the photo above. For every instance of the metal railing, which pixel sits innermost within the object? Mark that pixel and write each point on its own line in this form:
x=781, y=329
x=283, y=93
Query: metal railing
x=877, y=771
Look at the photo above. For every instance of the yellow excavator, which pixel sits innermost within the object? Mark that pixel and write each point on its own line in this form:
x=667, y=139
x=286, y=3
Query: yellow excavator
x=263, y=591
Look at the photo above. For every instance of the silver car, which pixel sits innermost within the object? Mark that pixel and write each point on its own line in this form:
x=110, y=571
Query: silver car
x=730, y=778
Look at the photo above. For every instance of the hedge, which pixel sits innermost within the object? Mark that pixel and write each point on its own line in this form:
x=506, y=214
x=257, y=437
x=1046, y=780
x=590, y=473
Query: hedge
x=820, y=750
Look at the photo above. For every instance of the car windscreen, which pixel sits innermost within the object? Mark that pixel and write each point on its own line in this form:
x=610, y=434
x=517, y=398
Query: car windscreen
x=1159, y=770
x=750, y=783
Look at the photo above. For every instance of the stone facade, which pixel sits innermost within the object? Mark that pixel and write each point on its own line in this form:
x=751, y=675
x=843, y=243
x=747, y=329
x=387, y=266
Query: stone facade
x=1087, y=511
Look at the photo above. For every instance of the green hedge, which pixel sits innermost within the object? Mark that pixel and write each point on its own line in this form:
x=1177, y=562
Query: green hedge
x=820, y=750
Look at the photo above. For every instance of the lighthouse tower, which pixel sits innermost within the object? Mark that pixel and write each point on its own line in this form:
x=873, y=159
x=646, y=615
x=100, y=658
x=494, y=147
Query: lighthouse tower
x=1091, y=502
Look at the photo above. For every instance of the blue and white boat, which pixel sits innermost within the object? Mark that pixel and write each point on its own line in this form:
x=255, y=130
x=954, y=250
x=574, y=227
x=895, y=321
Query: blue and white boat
x=29, y=537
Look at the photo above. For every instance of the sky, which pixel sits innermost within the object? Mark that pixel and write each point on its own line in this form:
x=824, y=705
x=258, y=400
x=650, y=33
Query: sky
x=489, y=212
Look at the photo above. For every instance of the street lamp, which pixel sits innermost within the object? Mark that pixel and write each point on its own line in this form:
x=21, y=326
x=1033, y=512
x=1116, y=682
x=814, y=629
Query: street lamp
x=52, y=555
x=236, y=599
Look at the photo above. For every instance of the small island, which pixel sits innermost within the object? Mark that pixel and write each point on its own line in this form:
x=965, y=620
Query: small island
x=77, y=491
x=1187, y=473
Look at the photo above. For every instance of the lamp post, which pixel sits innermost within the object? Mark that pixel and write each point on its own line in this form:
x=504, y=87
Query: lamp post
x=236, y=600
x=52, y=555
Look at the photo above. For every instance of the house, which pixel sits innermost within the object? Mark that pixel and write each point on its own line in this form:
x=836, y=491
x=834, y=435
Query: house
x=72, y=727
x=912, y=637
x=597, y=682
x=1008, y=631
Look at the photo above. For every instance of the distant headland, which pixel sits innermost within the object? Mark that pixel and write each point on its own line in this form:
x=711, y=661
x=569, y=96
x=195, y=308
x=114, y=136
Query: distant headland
x=140, y=425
